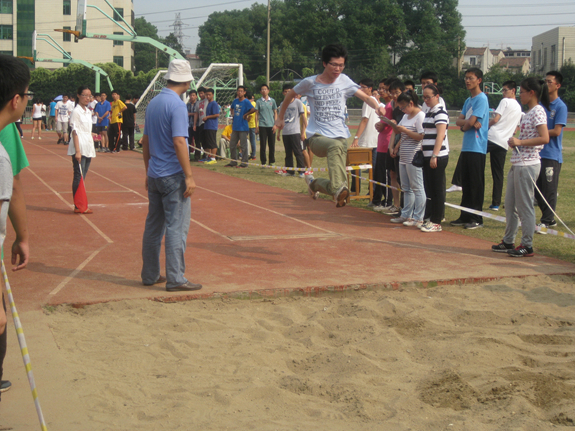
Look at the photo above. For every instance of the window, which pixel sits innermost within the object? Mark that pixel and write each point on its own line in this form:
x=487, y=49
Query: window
x=119, y=60
x=133, y=17
x=6, y=53
x=118, y=42
x=544, y=56
x=6, y=32
x=6, y=6
x=472, y=61
x=118, y=13
x=539, y=62
x=553, y=55
x=67, y=7
x=67, y=36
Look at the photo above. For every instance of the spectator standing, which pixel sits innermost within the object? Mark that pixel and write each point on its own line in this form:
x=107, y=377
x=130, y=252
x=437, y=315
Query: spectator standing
x=92, y=106
x=37, y=118
x=501, y=127
x=52, y=116
x=129, y=124
x=192, y=107
x=292, y=134
x=116, y=121
x=44, y=125
x=252, y=127
x=211, y=127
x=382, y=196
x=63, y=110
x=103, y=110
x=525, y=166
x=474, y=122
x=241, y=110
x=552, y=153
x=435, y=148
x=266, y=115
x=81, y=146
x=169, y=181
x=199, y=119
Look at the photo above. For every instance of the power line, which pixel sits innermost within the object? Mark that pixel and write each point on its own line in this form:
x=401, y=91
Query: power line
x=555, y=24
x=193, y=8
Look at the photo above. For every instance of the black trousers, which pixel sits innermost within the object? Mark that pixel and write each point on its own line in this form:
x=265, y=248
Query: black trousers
x=114, y=136
x=434, y=183
x=3, y=342
x=267, y=138
x=128, y=137
x=548, y=183
x=381, y=193
x=199, y=138
x=456, y=179
x=497, y=156
x=292, y=145
x=191, y=139
x=473, y=184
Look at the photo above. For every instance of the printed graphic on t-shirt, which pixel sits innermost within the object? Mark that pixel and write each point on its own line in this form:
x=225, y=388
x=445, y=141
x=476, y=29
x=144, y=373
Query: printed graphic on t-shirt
x=328, y=104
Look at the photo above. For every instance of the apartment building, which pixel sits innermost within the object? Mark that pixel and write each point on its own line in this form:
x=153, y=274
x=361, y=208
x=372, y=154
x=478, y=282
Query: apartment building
x=552, y=49
x=19, y=19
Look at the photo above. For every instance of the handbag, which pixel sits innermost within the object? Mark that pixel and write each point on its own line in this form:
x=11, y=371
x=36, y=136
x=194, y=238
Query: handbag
x=418, y=159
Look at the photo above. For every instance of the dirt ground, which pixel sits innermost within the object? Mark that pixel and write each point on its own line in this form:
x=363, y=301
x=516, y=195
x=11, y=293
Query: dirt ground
x=492, y=356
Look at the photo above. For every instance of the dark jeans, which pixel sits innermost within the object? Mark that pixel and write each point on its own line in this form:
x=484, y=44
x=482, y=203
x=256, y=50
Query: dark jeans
x=292, y=145
x=191, y=139
x=128, y=137
x=434, y=183
x=19, y=127
x=199, y=139
x=456, y=179
x=548, y=183
x=381, y=195
x=497, y=156
x=114, y=136
x=266, y=136
x=473, y=184
x=85, y=166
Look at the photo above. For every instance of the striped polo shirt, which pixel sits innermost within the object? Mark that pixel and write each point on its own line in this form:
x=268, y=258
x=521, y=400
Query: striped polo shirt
x=436, y=115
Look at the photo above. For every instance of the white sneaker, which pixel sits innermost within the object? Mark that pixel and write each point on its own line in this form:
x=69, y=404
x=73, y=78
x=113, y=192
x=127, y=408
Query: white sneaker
x=281, y=172
x=431, y=227
x=308, y=180
x=379, y=208
x=32, y=137
x=39, y=137
x=541, y=225
x=391, y=210
x=453, y=188
x=398, y=219
x=413, y=222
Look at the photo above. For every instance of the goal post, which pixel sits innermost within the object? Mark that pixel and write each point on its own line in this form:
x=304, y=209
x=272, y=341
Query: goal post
x=223, y=78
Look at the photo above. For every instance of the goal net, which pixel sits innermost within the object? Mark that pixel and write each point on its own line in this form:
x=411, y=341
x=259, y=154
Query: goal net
x=223, y=78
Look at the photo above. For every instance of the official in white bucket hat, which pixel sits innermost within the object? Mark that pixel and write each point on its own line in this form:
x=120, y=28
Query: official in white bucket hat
x=169, y=182
x=179, y=71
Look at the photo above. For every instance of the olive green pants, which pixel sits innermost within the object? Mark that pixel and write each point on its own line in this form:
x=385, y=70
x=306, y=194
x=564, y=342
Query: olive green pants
x=335, y=150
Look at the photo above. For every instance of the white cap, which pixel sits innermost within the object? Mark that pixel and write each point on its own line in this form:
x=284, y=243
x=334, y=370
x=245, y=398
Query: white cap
x=179, y=71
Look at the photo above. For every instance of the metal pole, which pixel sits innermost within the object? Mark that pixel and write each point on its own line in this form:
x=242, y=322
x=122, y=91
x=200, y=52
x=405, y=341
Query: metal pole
x=268, y=50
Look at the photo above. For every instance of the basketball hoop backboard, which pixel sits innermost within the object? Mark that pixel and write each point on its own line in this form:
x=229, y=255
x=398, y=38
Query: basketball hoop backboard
x=81, y=17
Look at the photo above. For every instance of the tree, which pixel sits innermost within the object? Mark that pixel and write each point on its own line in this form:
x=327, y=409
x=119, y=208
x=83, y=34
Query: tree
x=146, y=56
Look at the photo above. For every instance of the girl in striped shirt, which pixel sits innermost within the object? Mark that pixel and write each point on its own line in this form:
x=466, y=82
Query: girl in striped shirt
x=411, y=129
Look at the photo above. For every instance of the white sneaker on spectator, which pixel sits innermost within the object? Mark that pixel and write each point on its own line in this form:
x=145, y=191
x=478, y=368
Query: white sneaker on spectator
x=453, y=188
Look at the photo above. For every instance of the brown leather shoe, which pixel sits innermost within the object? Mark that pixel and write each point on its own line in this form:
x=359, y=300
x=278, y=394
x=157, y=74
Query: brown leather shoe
x=185, y=287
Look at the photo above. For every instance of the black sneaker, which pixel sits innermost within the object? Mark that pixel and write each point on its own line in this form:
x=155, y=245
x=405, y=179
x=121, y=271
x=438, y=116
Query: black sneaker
x=502, y=247
x=457, y=222
x=5, y=385
x=472, y=225
x=521, y=251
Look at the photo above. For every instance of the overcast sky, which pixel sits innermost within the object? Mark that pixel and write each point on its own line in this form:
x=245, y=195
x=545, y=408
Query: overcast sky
x=493, y=24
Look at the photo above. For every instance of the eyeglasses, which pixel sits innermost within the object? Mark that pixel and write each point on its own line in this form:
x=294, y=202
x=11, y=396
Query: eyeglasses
x=30, y=96
x=428, y=97
x=336, y=65
x=85, y=95
x=403, y=108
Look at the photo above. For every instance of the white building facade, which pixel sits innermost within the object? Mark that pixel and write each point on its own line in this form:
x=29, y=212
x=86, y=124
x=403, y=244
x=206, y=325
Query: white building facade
x=552, y=49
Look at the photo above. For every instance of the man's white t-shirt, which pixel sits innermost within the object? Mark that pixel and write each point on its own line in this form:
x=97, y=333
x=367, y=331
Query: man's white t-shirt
x=500, y=132
x=368, y=138
x=91, y=107
x=64, y=110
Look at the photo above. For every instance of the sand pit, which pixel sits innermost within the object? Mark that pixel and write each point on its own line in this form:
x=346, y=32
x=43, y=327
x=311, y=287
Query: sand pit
x=493, y=356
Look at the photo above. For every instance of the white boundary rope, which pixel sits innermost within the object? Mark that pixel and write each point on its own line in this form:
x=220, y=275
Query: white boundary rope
x=24, y=349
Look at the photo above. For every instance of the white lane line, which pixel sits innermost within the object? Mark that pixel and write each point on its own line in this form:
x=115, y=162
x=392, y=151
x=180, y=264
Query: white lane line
x=211, y=230
x=76, y=271
x=92, y=225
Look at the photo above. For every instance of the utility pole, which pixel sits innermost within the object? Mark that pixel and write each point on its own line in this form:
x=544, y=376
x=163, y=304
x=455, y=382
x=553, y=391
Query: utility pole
x=179, y=30
x=268, y=50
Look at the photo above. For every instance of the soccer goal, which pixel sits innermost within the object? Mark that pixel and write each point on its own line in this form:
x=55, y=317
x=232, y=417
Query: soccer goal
x=223, y=78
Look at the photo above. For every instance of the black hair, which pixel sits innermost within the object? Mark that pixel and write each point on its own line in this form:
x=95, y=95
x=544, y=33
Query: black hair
x=396, y=84
x=103, y=92
x=476, y=71
x=14, y=78
x=558, y=76
x=512, y=85
x=389, y=80
x=429, y=75
x=539, y=87
x=249, y=95
x=409, y=82
x=334, y=50
x=96, y=94
x=367, y=82
x=209, y=90
x=191, y=91
x=201, y=90
x=241, y=86
x=287, y=86
x=408, y=96
x=129, y=97
x=115, y=92
x=433, y=88
x=264, y=85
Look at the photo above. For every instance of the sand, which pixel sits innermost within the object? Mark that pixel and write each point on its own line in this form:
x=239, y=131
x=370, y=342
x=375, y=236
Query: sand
x=492, y=356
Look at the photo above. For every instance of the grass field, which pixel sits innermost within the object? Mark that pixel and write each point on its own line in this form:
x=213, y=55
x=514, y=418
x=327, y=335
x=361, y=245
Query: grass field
x=549, y=245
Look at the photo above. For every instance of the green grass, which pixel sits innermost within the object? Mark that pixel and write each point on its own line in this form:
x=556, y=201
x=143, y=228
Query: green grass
x=548, y=245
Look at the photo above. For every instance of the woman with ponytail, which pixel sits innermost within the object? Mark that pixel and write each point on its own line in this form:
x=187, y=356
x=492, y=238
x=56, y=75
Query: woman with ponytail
x=525, y=167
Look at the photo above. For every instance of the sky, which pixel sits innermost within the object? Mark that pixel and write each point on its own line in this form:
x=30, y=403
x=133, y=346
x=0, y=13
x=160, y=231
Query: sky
x=486, y=24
